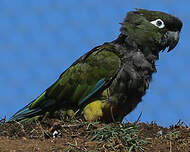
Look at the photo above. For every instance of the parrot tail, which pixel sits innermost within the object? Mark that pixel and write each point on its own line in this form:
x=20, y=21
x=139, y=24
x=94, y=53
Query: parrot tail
x=34, y=108
x=25, y=113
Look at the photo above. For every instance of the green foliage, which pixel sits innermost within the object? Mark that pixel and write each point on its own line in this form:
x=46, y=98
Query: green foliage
x=127, y=134
x=172, y=135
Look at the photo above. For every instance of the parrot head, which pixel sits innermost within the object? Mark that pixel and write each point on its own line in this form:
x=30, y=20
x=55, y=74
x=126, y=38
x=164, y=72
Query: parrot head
x=152, y=30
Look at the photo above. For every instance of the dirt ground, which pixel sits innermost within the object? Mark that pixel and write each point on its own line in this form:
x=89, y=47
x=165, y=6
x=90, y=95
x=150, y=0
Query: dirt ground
x=80, y=136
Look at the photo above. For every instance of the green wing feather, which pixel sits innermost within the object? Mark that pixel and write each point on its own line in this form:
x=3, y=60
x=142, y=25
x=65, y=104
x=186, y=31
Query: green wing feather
x=82, y=80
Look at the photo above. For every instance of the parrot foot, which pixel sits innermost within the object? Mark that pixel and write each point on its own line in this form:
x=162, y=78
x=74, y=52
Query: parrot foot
x=64, y=114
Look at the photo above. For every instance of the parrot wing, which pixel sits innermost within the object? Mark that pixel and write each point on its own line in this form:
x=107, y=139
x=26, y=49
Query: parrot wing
x=83, y=79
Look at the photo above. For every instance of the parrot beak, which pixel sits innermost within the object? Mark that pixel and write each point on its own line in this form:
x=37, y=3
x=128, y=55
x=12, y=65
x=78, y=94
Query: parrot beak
x=172, y=39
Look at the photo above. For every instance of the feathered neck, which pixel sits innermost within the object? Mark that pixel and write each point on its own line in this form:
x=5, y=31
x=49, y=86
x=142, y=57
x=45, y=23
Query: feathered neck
x=127, y=44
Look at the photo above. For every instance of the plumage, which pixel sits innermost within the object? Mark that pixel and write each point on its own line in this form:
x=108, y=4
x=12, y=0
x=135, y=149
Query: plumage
x=109, y=81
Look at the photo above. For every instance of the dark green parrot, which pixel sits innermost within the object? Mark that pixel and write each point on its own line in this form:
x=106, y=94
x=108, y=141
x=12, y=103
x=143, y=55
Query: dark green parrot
x=109, y=81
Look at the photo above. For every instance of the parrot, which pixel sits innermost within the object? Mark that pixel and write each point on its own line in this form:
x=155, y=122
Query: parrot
x=109, y=81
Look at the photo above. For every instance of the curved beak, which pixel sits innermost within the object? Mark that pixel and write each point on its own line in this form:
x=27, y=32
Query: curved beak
x=172, y=39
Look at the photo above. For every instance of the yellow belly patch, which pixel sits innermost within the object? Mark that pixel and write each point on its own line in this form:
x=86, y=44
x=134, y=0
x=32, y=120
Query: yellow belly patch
x=96, y=110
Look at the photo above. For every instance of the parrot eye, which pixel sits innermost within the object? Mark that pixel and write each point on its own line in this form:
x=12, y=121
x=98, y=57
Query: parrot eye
x=158, y=23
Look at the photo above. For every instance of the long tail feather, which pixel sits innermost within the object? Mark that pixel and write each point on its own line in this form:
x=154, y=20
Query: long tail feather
x=25, y=112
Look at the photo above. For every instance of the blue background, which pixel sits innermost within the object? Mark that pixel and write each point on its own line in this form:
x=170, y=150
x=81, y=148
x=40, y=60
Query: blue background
x=40, y=39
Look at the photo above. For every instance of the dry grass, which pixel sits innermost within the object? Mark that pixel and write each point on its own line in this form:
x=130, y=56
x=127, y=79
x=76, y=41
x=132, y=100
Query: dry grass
x=81, y=136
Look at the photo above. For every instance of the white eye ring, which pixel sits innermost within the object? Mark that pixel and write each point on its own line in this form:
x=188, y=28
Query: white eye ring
x=158, y=23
